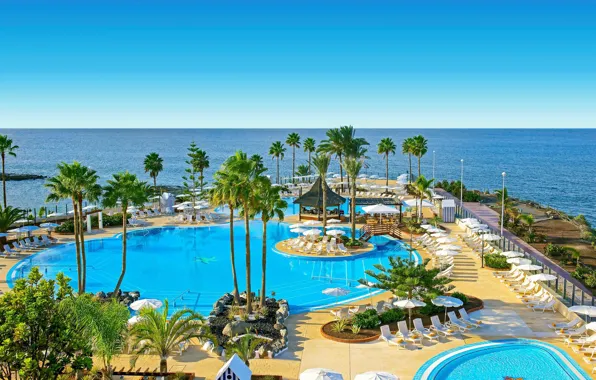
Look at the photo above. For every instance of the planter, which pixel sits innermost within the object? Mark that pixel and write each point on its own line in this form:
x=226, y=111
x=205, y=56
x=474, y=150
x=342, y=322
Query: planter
x=266, y=377
x=363, y=337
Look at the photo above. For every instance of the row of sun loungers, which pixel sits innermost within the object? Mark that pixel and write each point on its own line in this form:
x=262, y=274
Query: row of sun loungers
x=532, y=294
x=575, y=334
x=28, y=245
x=373, y=194
x=325, y=246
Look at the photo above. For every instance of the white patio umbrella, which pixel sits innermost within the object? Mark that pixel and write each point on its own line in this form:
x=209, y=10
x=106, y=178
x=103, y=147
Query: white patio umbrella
x=336, y=232
x=542, y=277
x=201, y=207
x=380, y=209
x=450, y=247
x=439, y=234
x=335, y=292
x=372, y=375
x=426, y=226
x=312, y=232
x=296, y=225
x=445, y=252
x=148, y=302
x=586, y=310
x=333, y=221
x=409, y=304
x=298, y=230
x=529, y=267
x=20, y=221
x=445, y=240
x=512, y=254
x=446, y=302
x=320, y=374
x=312, y=223
x=490, y=237
x=134, y=319
x=519, y=261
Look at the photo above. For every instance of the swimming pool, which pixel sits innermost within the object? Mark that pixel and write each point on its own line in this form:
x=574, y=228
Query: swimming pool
x=190, y=266
x=499, y=359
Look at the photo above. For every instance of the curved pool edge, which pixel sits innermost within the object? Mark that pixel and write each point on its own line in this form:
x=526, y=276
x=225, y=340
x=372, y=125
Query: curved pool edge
x=443, y=358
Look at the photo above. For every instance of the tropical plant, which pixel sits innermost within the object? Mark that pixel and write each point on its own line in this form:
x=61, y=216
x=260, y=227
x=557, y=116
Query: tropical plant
x=310, y=146
x=353, y=167
x=104, y=324
x=192, y=180
x=293, y=140
x=421, y=190
x=8, y=216
x=392, y=316
x=270, y=204
x=340, y=325
x=368, y=319
x=6, y=147
x=407, y=278
x=244, y=347
x=157, y=334
x=128, y=190
x=153, y=165
x=225, y=193
x=436, y=219
x=355, y=329
x=249, y=175
x=528, y=219
x=460, y=296
x=258, y=159
x=386, y=146
x=419, y=149
x=302, y=170
x=321, y=163
x=39, y=338
x=201, y=162
x=407, y=147
x=77, y=182
x=277, y=151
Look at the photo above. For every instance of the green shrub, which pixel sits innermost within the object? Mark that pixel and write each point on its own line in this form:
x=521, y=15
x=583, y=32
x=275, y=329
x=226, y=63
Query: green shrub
x=391, y=316
x=554, y=250
x=431, y=309
x=368, y=319
x=496, y=261
x=580, y=272
x=66, y=227
x=355, y=329
x=461, y=297
x=590, y=279
x=339, y=325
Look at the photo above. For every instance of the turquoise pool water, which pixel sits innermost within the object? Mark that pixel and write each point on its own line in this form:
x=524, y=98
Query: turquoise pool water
x=516, y=358
x=191, y=266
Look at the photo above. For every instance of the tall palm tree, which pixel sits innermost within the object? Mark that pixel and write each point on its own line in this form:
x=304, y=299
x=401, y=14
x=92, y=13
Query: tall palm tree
x=128, y=190
x=270, y=205
x=77, y=182
x=302, y=170
x=353, y=167
x=244, y=347
x=386, y=146
x=341, y=142
x=422, y=188
x=321, y=163
x=310, y=146
x=259, y=160
x=225, y=193
x=249, y=178
x=420, y=147
x=153, y=165
x=6, y=147
x=407, y=148
x=293, y=140
x=157, y=334
x=201, y=160
x=334, y=145
x=276, y=151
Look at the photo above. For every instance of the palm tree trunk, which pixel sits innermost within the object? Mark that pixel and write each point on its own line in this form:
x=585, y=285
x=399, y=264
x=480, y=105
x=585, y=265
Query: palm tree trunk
x=387, y=170
x=77, y=244
x=155, y=183
x=410, y=161
x=201, y=178
x=341, y=172
x=163, y=365
x=309, y=166
x=3, y=181
x=232, y=257
x=124, y=221
x=353, y=210
x=82, y=237
x=278, y=170
x=264, y=264
x=419, y=159
x=293, y=163
x=247, y=242
x=324, y=183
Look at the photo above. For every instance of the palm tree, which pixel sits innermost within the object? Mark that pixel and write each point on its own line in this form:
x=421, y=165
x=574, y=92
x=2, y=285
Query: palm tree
x=225, y=193
x=6, y=147
x=276, y=151
x=158, y=334
x=8, y=216
x=153, y=165
x=419, y=148
x=270, y=205
x=302, y=170
x=310, y=146
x=386, y=146
x=353, y=167
x=293, y=140
x=333, y=145
x=244, y=347
x=407, y=148
x=321, y=163
x=422, y=188
x=77, y=182
x=258, y=159
x=528, y=219
x=343, y=142
x=201, y=160
x=249, y=178
x=128, y=190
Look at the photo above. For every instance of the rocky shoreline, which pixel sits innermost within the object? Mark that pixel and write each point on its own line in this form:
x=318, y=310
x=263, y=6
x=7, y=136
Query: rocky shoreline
x=23, y=177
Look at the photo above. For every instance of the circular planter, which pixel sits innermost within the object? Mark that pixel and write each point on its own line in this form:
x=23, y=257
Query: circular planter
x=345, y=340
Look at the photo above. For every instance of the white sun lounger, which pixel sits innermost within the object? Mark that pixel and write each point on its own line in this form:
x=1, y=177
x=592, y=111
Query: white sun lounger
x=405, y=334
x=550, y=305
x=566, y=325
x=581, y=341
x=461, y=325
x=341, y=313
x=390, y=338
x=419, y=327
x=467, y=319
x=439, y=328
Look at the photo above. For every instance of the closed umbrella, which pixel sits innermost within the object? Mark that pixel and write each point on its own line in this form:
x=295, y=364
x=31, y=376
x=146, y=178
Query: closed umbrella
x=409, y=304
x=518, y=261
x=372, y=375
x=320, y=374
x=542, y=277
x=148, y=302
x=512, y=254
x=447, y=301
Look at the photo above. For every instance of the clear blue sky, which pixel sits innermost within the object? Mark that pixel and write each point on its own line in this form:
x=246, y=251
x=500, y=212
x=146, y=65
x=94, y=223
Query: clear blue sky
x=297, y=64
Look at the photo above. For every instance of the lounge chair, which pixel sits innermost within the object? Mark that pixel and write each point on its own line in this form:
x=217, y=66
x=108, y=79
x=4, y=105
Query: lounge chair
x=308, y=247
x=463, y=314
x=39, y=241
x=341, y=248
x=460, y=324
x=344, y=312
x=581, y=341
x=428, y=334
x=390, y=338
x=8, y=251
x=47, y=240
x=318, y=249
x=405, y=334
x=566, y=325
x=550, y=305
x=357, y=309
x=439, y=328
x=580, y=331
x=543, y=298
x=27, y=244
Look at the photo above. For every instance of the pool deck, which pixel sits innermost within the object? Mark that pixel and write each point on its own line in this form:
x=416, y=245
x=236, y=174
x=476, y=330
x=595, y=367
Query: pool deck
x=504, y=316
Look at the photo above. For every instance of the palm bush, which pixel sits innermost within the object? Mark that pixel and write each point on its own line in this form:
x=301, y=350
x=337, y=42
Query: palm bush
x=244, y=347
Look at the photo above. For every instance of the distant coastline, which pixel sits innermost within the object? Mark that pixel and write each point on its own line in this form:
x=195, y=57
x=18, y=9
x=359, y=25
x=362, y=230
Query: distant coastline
x=23, y=177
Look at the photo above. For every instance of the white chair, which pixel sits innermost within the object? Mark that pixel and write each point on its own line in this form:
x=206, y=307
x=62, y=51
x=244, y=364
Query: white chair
x=461, y=325
x=439, y=328
x=390, y=338
x=341, y=313
x=467, y=319
x=550, y=305
x=419, y=327
x=405, y=334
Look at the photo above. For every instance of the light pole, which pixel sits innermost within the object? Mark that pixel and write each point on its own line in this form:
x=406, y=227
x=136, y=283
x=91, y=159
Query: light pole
x=503, y=204
x=434, y=169
x=461, y=189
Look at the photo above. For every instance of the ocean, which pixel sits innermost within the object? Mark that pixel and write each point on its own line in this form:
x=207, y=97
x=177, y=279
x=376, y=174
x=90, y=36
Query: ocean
x=554, y=167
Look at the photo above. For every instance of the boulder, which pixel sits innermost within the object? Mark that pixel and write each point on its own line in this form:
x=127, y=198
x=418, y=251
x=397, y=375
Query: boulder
x=235, y=328
x=283, y=332
x=278, y=326
x=100, y=295
x=135, y=294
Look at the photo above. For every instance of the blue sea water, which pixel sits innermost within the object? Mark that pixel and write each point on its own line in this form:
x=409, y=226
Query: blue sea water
x=554, y=167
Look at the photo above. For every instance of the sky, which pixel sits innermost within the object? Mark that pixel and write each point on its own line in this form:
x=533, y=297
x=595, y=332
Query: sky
x=297, y=64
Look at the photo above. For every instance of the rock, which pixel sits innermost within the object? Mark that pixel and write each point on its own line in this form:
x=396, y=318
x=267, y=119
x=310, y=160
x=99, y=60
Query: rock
x=100, y=295
x=283, y=332
x=278, y=326
x=235, y=328
x=135, y=295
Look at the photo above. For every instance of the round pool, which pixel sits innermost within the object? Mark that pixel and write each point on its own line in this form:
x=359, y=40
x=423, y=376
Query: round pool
x=190, y=266
x=502, y=359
